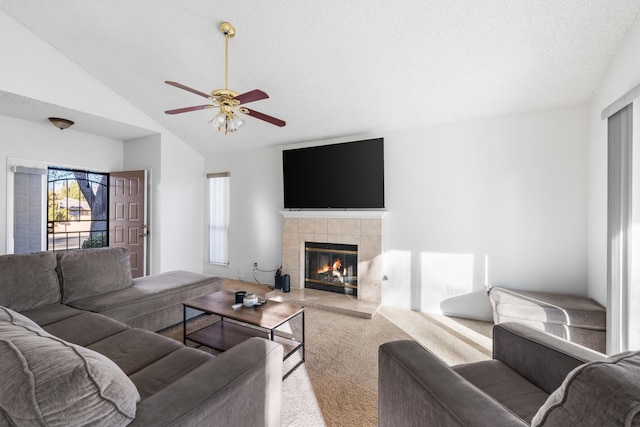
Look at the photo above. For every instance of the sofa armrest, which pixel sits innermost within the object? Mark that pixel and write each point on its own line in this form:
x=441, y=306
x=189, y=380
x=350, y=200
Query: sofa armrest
x=240, y=387
x=415, y=388
x=541, y=358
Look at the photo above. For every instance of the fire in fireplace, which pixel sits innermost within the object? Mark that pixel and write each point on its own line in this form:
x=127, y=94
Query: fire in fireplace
x=331, y=267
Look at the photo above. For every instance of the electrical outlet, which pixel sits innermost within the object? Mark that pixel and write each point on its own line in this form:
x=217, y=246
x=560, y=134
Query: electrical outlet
x=255, y=266
x=449, y=289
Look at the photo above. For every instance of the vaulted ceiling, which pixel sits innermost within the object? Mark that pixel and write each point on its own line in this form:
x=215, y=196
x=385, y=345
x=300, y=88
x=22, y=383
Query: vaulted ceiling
x=336, y=68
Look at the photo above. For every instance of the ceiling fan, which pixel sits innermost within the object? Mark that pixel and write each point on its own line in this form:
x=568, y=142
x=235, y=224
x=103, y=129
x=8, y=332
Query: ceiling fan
x=228, y=101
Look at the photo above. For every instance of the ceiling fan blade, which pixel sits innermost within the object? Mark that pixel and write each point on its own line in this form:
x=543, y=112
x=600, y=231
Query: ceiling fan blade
x=254, y=95
x=187, y=88
x=187, y=109
x=262, y=116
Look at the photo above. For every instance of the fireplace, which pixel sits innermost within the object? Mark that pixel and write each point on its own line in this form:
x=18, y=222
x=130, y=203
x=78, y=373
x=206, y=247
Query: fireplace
x=331, y=267
x=359, y=228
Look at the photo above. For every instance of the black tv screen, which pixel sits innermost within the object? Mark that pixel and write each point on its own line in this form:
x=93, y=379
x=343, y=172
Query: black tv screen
x=340, y=176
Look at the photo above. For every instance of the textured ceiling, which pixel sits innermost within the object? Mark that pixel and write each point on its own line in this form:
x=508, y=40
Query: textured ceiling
x=336, y=68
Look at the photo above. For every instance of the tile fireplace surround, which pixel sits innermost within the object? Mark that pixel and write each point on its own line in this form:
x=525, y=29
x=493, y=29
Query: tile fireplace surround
x=362, y=228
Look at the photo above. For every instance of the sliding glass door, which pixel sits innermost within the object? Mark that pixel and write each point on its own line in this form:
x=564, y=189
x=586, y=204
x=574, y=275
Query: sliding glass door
x=623, y=269
x=633, y=291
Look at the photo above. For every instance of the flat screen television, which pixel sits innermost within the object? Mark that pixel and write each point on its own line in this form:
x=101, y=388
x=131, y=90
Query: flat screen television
x=341, y=176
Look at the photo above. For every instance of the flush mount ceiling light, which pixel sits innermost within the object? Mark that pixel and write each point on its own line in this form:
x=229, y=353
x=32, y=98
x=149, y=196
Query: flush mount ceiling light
x=60, y=123
x=228, y=101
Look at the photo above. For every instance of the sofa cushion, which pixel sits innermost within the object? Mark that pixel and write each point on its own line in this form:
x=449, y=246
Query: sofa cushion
x=51, y=313
x=85, y=329
x=159, y=374
x=546, y=307
x=590, y=338
x=28, y=281
x=134, y=349
x=151, y=294
x=48, y=381
x=89, y=272
x=8, y=316
x=605, y=392
x=504, y=385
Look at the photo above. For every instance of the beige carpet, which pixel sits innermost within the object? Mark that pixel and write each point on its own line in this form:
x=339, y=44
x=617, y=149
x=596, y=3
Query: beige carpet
x=337, y=385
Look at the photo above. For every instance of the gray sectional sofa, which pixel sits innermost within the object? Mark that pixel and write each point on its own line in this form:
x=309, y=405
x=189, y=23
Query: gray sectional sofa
x=78, y=348
x=575, y=318
x=534, y=378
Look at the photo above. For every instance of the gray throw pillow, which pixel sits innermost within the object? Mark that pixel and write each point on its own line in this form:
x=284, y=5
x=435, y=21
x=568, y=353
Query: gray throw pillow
x=28, y=281
x=48, y=381
x=600, y=393
x=89, y=272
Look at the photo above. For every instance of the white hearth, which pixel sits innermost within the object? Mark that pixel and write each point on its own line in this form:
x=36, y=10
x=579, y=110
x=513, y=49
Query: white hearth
x=361, y=228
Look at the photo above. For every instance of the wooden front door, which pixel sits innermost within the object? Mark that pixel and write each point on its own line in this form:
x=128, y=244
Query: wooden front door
x=127, y=216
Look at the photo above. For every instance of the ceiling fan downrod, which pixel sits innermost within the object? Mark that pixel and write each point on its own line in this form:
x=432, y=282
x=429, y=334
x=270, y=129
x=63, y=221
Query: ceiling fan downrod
x=229, y=31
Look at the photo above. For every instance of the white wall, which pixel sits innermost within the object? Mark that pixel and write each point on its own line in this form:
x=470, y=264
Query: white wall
x=175, y=184
x=510, y=190
x=623, y=74
x=181, y=207
x=25, y=141
x=32, y=69
x=175, y=199
x=255, y=227
x=504, y=192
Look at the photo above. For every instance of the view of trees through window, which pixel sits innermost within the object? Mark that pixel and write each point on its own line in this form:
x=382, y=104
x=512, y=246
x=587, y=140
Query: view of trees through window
x=77, y=209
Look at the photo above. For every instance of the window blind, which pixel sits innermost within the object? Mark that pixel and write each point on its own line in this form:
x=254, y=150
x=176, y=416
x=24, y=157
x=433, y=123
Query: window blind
x=219, y=217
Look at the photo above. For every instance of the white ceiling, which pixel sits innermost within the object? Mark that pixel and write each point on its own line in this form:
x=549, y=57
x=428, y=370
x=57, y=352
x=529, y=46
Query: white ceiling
x=37, y=111
x=336, y=68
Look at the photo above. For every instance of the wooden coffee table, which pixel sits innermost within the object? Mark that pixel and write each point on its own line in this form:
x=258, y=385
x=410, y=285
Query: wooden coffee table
x=236, y=326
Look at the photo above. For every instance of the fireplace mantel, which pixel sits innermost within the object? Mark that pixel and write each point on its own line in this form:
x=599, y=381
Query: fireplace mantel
x=357, y=214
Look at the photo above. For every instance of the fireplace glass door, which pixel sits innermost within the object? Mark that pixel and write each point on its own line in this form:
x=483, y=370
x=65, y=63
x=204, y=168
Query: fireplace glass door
x=331, y=267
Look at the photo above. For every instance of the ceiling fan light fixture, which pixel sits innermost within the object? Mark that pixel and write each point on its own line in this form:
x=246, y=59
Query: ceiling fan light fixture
x=219, y=120
x=239, y=122
x=227, y=122
x=60, y=123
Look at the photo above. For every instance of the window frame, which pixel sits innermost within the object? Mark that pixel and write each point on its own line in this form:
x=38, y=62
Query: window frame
x=70, y=236
x=219, y=192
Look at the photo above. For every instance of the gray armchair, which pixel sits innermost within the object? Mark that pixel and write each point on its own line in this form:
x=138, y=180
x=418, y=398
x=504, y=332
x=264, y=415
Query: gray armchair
x=532, y=379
